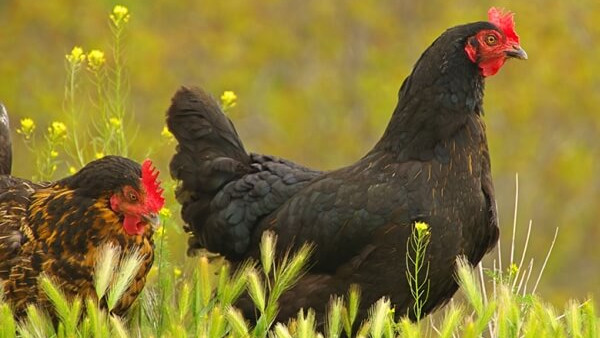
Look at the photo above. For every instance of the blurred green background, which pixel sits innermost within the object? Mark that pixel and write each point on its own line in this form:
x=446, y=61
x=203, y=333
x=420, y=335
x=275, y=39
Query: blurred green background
x=317, y=81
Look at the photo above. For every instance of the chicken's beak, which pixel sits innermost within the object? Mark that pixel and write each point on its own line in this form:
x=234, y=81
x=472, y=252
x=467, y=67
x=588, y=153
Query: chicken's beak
x=152, y=219
x=517, y=52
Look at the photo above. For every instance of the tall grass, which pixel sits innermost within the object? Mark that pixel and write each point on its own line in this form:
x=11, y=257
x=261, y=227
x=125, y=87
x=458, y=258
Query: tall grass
x=202, y=304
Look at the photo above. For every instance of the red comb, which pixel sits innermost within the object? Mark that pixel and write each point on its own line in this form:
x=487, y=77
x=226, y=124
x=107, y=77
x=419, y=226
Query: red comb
x=152, y=185
x=505, y=22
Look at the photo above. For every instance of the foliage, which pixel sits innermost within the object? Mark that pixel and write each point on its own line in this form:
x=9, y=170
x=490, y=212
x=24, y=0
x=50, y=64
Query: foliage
x=108, y=96
x=202, y=305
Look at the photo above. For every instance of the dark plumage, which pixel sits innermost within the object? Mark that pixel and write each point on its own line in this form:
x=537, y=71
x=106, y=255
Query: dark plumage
x=5, y=143
x=58, y=228
x=224, y=191
x=432, y=164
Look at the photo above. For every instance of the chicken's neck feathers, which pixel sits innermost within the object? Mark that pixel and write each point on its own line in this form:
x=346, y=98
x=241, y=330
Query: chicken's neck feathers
x=444, y=90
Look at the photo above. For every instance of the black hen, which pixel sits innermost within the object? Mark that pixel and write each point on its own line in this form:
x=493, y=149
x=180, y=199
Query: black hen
x=432, y=164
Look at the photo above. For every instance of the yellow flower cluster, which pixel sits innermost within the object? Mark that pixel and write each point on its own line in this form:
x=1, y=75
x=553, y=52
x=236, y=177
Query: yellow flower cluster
x=177, y=271
x=422, y=228
x=513, y=269
x=76, y=56
x=165, y=212
x=120, y=14
x=159, y=232
x=99, y=155
x=27, y=128
x=115, y=122
x=228, y=99
x=57, y=131
x=166, y=133
x=96, y=59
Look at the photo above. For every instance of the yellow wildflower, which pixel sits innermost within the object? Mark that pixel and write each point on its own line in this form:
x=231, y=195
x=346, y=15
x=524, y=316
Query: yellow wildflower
x=160, y=231
x=27, y=128
x=95, y=59
x=165, y=212
x=420, y=226
x=27, y=124
x=120, y=14
x=177, y=271
x=53, y=153
x=513, y=269
x=228, y=99
x=57, y=131
x=166, y=133
x=76, y=56
x=99, y=155
x=72, y=170
x=115, y=122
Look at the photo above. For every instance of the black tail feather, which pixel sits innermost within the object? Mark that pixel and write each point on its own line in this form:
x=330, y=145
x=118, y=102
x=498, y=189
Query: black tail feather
x=209, y=153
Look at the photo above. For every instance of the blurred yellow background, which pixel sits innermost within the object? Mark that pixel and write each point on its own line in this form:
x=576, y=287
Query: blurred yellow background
x=317, y=81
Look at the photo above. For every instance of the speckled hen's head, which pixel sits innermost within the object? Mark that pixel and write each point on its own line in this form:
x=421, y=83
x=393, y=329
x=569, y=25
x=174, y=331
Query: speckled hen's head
x=134, y=190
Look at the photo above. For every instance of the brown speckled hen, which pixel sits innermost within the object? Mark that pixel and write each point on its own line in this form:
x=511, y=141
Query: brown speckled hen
x=58, y=228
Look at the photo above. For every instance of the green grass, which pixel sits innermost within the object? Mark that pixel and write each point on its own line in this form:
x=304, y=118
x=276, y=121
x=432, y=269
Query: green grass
x=201, y=304
x=199, y=299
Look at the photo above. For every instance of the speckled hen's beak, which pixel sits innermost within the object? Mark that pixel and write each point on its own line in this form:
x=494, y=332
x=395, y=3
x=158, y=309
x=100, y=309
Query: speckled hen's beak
x=517, y=52
x=152, y=219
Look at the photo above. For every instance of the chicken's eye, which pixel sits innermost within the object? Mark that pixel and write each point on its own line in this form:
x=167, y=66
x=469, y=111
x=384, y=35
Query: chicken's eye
x=133, y=197
x=491, y=40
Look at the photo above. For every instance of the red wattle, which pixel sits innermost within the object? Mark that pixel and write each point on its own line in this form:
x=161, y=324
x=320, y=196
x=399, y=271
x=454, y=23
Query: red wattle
x=492, y=66
x=133, y=225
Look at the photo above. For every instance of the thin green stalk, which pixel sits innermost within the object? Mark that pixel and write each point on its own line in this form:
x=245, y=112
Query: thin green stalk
x=161, y=291
x=74, y=61
x=418, y=282
x=119, y=95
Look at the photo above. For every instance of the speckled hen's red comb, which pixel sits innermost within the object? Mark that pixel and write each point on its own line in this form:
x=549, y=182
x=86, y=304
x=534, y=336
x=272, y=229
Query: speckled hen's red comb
x=155, y=200
x=504, y=21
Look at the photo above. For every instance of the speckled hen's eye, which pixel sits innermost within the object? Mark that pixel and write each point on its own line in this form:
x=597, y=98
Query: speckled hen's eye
x=132, y=197
x=491, y=40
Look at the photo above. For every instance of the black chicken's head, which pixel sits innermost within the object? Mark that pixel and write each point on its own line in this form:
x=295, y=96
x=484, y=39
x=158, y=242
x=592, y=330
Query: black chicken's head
x=134, y=191
x=490, y=47
x=478, y=48
x=447, y=83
